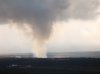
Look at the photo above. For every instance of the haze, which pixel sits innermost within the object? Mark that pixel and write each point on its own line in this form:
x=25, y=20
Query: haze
x=41, y=26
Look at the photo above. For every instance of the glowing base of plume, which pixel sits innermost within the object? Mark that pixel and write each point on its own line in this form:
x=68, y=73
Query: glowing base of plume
x=40, y=56
x=40, y=50
x=40, y=53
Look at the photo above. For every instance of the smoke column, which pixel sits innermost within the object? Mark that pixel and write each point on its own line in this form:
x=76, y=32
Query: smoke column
x=40, y=16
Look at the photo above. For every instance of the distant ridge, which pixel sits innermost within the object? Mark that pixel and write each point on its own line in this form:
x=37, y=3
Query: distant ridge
x=92, y=54
x=89, y=54
x=17, y=55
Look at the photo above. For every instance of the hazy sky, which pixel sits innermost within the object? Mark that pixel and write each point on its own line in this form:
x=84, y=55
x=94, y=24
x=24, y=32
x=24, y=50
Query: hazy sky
x=76, y=25
x=74, y=35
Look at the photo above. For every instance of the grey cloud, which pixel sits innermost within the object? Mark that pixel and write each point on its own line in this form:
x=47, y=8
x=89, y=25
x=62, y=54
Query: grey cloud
x=41, y=14
x=83, y=9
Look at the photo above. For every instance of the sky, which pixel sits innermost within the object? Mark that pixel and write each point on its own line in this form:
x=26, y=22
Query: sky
x=72, y=36
x=60, y=25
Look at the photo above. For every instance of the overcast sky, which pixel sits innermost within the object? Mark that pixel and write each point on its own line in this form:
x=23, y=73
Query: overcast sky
x=74, y=35
x=79, y=30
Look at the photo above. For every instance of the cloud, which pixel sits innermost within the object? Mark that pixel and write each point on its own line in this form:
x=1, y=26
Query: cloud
x=40, y=15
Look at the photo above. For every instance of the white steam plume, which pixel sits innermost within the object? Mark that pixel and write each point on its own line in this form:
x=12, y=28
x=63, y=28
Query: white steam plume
x=39, y=15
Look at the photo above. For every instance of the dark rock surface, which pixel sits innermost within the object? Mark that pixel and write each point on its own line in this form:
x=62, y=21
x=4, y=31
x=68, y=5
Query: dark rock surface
x=49, y=66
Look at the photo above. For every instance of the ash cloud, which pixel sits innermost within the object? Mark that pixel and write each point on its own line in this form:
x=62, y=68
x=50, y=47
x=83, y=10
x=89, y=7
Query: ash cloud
x=41, y=14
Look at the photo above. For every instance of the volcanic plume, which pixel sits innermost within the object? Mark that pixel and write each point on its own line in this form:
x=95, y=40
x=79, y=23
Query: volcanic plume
x=40, y=15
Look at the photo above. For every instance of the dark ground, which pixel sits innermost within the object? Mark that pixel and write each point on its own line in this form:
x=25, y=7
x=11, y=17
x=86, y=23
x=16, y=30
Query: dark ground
x=49, y=66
